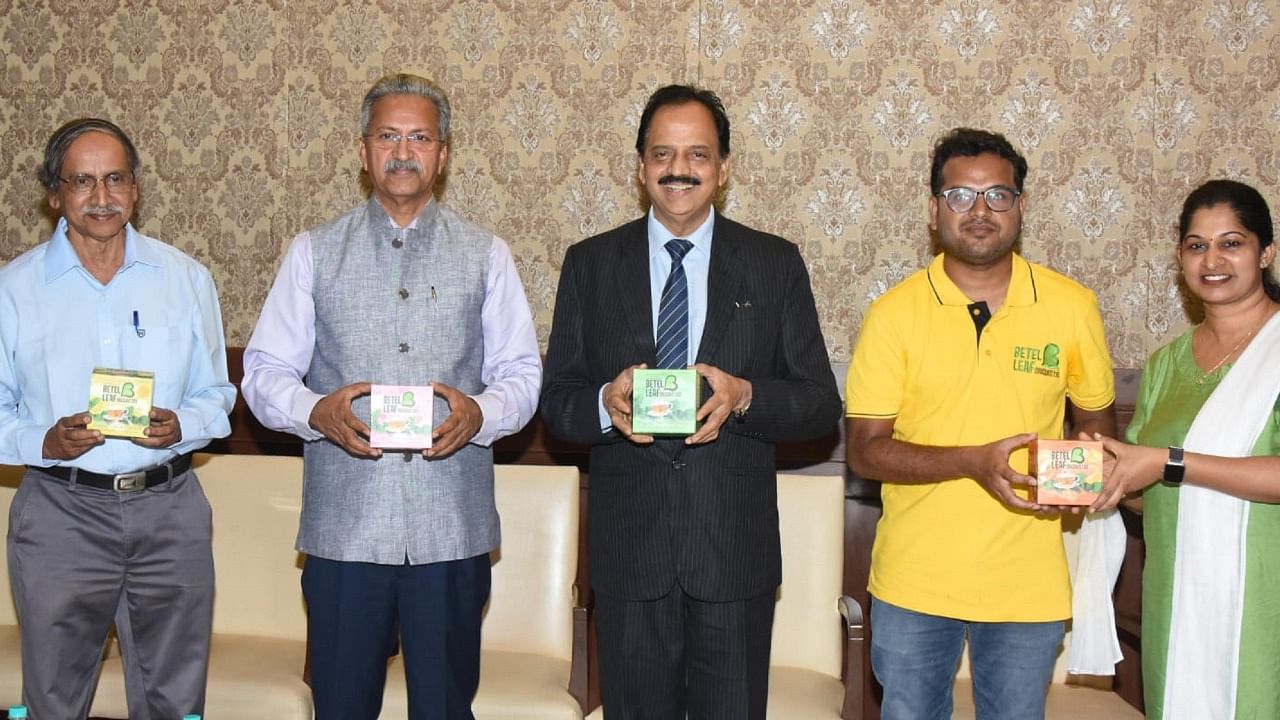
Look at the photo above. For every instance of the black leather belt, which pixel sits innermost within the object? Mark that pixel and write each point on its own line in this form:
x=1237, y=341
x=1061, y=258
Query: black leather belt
x=124, y=482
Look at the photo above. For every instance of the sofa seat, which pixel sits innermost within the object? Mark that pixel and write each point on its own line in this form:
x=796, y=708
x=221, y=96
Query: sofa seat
x=257, y=677
x=1065, y=701
x=797, y=694
x=10, y=659
x=512, y=685
x=527, y=640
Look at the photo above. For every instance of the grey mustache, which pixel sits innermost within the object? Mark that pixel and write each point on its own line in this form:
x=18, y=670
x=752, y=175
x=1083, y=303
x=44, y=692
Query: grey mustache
x=396, y=164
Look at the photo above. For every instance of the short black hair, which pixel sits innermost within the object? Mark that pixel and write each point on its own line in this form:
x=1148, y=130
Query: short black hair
x=55, y=151
x=968, y=142
x=1250, y=209
x=679, y=95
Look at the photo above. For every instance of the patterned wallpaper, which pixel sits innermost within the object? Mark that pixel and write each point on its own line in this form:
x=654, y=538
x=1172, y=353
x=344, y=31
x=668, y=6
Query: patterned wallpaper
x=245, y=113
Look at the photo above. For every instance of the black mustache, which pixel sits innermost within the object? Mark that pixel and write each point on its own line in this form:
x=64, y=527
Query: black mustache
x=679, y=179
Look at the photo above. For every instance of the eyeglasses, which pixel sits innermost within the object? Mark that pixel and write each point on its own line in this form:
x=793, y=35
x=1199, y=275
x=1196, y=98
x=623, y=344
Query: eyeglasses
x=962, y=199
x=82, y=184
x=392, y=139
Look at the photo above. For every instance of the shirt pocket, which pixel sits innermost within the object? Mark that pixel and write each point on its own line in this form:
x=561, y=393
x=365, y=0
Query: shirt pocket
x=164, y=350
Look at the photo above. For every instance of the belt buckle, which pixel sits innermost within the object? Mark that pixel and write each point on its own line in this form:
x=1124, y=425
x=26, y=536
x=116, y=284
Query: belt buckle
x=129, y=482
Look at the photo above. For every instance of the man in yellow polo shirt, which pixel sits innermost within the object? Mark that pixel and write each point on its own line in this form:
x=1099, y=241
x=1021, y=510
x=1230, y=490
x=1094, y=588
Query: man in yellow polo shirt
x=955, y=371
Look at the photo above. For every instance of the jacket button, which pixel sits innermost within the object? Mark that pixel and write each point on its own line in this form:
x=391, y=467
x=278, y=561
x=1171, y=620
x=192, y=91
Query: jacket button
x=404, y=294
x=397, y=243
x=404, y=347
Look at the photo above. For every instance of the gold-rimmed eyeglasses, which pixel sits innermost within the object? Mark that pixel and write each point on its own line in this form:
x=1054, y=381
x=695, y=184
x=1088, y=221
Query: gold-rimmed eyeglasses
x=83, y=184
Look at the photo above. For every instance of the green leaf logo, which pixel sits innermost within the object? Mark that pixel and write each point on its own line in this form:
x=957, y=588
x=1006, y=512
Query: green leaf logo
x=1051, y=353
x=1077, y=454
x=407, y=399
x=670, y=383
x=126, y=390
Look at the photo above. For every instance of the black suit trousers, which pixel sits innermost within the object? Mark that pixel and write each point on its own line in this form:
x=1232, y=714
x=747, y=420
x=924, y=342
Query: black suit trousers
x=677, y=657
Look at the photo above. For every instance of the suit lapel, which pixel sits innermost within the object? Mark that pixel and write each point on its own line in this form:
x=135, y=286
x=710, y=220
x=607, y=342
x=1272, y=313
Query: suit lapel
x=724, y=280
x=632, y=277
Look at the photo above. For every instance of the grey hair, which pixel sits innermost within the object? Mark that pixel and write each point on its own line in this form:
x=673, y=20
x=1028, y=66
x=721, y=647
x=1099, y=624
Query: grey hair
x=55, y=152
x=405, y=84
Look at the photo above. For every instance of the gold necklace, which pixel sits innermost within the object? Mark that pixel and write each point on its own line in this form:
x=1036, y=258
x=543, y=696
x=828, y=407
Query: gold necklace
x=1232, y=351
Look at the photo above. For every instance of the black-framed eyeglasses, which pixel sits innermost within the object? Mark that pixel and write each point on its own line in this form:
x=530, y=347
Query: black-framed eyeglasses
x=392, y=139
x=962, y=199
x=83, y=184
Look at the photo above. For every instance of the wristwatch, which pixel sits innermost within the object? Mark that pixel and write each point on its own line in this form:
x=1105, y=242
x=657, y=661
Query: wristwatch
x=1174, y=467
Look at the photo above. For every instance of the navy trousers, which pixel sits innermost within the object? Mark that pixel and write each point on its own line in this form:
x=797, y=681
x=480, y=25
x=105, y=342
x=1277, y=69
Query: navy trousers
x=356, y=612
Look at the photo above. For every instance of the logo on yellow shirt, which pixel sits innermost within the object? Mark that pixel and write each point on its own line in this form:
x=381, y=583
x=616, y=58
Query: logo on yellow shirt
x=1037, y=361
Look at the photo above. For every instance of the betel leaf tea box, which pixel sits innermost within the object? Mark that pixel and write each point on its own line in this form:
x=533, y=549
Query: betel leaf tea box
x=120, y=402
x=1067, y=472
x=400, y=416
x=665, y=402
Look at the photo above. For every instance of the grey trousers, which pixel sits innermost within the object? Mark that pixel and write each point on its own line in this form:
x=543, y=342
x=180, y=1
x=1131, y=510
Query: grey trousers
x=79, y=558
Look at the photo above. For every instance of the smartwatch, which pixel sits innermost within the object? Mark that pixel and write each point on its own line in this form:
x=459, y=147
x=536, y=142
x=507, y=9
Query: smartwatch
x=1174, y=467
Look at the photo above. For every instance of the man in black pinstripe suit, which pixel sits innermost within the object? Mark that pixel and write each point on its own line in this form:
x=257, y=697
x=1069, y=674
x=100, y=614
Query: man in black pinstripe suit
x=684, y=549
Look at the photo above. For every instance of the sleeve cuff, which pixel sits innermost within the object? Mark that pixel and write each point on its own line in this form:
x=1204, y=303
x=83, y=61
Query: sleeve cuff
x=189, y=425
x=303, y=403
x=31, y=447
x=493, y=424
x=606, y=422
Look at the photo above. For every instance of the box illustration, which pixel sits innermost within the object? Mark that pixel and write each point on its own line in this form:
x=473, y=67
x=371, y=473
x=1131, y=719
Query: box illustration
x=120, y=402
x=665, y=402
x=1067, y=472
x=400, y=416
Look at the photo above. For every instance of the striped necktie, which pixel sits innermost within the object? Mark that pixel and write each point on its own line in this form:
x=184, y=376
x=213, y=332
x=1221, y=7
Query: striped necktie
x=673, y=310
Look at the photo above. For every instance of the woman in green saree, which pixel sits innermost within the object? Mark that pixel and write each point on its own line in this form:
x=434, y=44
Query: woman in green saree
x=1205, y=452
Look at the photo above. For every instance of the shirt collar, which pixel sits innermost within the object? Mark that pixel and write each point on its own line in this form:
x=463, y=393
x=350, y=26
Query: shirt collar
x=61, y=256
x=381, y=218
x=1022, y=284
x=701, y=237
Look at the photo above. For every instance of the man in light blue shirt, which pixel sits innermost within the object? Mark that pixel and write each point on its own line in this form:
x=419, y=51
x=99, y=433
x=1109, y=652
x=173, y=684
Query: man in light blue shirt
x=106, y=527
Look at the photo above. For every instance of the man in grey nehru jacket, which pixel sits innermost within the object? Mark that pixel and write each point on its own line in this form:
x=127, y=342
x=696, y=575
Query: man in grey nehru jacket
x=399, y=291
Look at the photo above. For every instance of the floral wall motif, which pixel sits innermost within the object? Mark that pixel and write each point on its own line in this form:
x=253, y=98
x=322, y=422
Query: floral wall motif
x=245, y=113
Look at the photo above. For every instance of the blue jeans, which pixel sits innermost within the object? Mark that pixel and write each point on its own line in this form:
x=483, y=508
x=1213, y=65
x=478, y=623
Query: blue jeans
x=915, y=657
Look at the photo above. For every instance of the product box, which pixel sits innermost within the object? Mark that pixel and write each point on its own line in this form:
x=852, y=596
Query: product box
x=665, y=402
x=120, y=402
x=1067, y=472
x=400, y=416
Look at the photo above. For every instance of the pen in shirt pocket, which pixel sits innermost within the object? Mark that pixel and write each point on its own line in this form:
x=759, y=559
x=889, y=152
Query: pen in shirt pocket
x=137, y=326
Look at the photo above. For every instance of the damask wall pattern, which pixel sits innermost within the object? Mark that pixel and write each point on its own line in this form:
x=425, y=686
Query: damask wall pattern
x=245, y=113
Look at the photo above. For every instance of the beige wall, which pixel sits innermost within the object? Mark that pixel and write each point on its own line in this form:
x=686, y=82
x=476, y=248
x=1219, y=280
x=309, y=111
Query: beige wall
x=245, y=114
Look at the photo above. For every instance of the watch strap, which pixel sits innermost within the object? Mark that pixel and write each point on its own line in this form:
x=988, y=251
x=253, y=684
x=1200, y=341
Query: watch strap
x=1175, y=467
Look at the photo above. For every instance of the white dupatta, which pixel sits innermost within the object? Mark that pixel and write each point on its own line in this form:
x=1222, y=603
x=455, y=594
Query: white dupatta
x=1209, y=564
